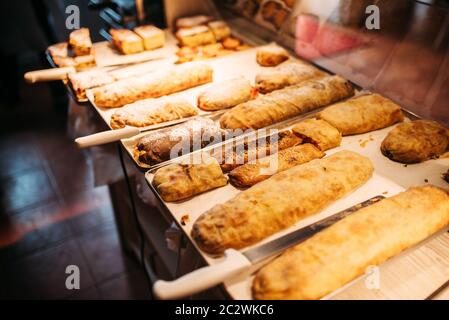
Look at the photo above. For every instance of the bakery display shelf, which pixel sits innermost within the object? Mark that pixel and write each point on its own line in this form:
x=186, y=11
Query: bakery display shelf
x=401, y=277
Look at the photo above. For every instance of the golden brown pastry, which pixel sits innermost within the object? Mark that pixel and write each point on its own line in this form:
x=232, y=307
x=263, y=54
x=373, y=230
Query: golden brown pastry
x=286, y=75
x=152, y=85
x=148, y=112
x=59, y=50
x=189, y=22
x=172, y=142
x=364, y=113
x=271, y=55
x=231, y=43
x=152, y=36
x=81, y=81
x=236, y=154
x=289, y=102
x=226, y=94
x=416, y=141
x=126, y=41
x=252, y=173
x=318, y=132
x=279, y=202
x=344, y=251
x=80, y=43
x=220, y=29
x=181, y=181
x=195, y=36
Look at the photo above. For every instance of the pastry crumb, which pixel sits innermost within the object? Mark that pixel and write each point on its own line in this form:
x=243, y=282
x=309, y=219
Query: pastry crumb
x=385, y=192
x=426, y=180
x=185, y=219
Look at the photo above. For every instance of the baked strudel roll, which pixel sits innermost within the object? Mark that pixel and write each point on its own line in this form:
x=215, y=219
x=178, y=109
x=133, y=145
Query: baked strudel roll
x=81, y=81
x=342, y=252
x=177, y=182
x=318, y=132
x=286, y=75
x=252, y=173
x=233, y=155
x=148, y=112
x=269, y=207
x=152, y=85
x=364, y=113
x=226, y=94
x=172, y=142
x=416, y=141
x=289, y=102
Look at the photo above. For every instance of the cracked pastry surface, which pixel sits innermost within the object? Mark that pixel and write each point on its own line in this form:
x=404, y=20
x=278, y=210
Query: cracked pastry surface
x=342, y=252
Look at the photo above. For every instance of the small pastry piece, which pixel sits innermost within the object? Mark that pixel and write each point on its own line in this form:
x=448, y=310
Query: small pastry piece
x=286, y=75
x=252, y=173
x=364, y=113
x=126, y=41
x=211, y=50
x=416, y=141
x=231, y=43
x=319, y=133
x=172, y=142
x=237, y=154
x=289, y=102
x=148, y=112
x=280, y=201
x=220, y=29
x=81, y=81
x=342, y=252
x=84, y=62
x=80, y=43
x=196, y=36
x=58, y=50
x=193, y=21
x=271, y=55
x=152, y=36
x=226, y=94
x=181, y=181
x=152, y=85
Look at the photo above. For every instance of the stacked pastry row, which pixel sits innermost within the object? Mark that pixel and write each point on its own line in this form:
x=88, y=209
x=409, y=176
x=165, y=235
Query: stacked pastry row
x=142, y=38
x=201, y=37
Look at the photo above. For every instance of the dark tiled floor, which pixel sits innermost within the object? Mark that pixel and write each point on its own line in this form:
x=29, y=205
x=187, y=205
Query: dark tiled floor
x=51, y=215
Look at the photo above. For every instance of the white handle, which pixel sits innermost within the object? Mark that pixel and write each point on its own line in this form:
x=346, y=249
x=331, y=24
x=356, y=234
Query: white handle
x=48, y=74
x=233, y=263
x=106, y=137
